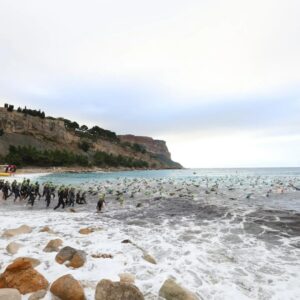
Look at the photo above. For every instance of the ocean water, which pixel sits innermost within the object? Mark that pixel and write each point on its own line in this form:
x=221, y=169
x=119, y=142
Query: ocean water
x=232, y=176
x=79, y=178
x=221, y=233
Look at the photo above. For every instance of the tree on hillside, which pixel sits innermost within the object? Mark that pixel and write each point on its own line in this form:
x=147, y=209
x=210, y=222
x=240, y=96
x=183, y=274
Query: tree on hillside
x=84, y=128
x=85, y=146
x=10, y=108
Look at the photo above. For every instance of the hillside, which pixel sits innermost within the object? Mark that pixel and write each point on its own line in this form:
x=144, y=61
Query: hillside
x=28, y=137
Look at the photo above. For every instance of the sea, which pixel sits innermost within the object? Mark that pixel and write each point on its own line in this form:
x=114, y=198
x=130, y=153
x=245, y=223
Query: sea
x=220, y=233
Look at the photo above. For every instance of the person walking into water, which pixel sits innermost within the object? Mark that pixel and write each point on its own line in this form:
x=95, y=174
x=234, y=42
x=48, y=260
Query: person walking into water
x=61, y=196
x=100, y=202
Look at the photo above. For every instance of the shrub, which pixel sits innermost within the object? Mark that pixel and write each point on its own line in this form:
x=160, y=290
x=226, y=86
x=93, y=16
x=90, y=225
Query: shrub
x=84, y=128
x=103, y=133
x=85, y=146
x=30, y=156
x=26, y=111
x=135, y=147
x=10, y=108
x=71, y=125
x=104, y=159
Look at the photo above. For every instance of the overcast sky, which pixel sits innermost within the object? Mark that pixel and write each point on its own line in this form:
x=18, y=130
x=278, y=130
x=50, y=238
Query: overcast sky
x=218, y=80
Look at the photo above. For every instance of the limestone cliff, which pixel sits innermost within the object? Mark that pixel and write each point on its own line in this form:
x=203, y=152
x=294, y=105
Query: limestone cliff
x=19, y=129
x=156, y=147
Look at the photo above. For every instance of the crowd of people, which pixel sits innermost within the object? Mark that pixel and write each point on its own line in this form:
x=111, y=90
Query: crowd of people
x=30, y=192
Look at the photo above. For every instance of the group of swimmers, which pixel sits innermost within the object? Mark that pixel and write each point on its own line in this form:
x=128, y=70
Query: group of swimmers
x=67, y=196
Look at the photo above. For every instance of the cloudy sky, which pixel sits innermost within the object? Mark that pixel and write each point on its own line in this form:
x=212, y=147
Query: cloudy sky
x=218, y=80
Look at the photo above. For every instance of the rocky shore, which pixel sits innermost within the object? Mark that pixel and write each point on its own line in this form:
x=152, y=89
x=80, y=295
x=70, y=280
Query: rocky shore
x=25, y=277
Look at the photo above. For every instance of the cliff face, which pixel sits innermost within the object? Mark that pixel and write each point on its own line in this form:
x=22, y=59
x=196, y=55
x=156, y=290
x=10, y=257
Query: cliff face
x=20, y=129
x=156, y=147
x=26, y=130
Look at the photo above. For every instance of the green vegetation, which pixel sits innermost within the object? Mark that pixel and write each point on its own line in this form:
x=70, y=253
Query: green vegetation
x=31, y=112
x=25, y=111
x=103, y=133
x=94, y=133
x=30, y=156
x=1, y=132
x=103, y=159
x=135, y=147
x=71, y=125
x=9, y=107
x=85, y=146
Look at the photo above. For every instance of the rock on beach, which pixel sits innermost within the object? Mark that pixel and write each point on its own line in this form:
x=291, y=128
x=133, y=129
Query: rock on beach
x=173, y=291
x=24, y=229
x=10, y=294
x=53, y=245
x=67, y=288
x=22, y=276
x=76, y=258
x=108, y=290
x=13, y=248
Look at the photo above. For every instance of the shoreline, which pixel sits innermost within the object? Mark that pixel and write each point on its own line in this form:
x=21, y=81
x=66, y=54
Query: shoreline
x=57, y=170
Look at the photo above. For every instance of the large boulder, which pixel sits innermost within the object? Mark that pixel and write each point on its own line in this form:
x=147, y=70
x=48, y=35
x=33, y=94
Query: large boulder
x=33, y=261
x=53, y=245
x=22, y=276
x=13, y=248
x=67, y=288
x=65, y=254
x=108, y=290
x=10, y=294
x=17, y=231
x=76, y=258
x=173, y=291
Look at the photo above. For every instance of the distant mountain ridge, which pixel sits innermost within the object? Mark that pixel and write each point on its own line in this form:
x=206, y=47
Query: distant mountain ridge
x=30, y=128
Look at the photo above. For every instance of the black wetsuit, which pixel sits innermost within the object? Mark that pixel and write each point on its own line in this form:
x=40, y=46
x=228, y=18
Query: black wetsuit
x=82, y=199
x=71, y=201
x=16, y=192
x=32, y=196
x=78, y=198
x=48, y=193
x=60, y=200
x=6, y=190
x=37, y=190
x=100, y=205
